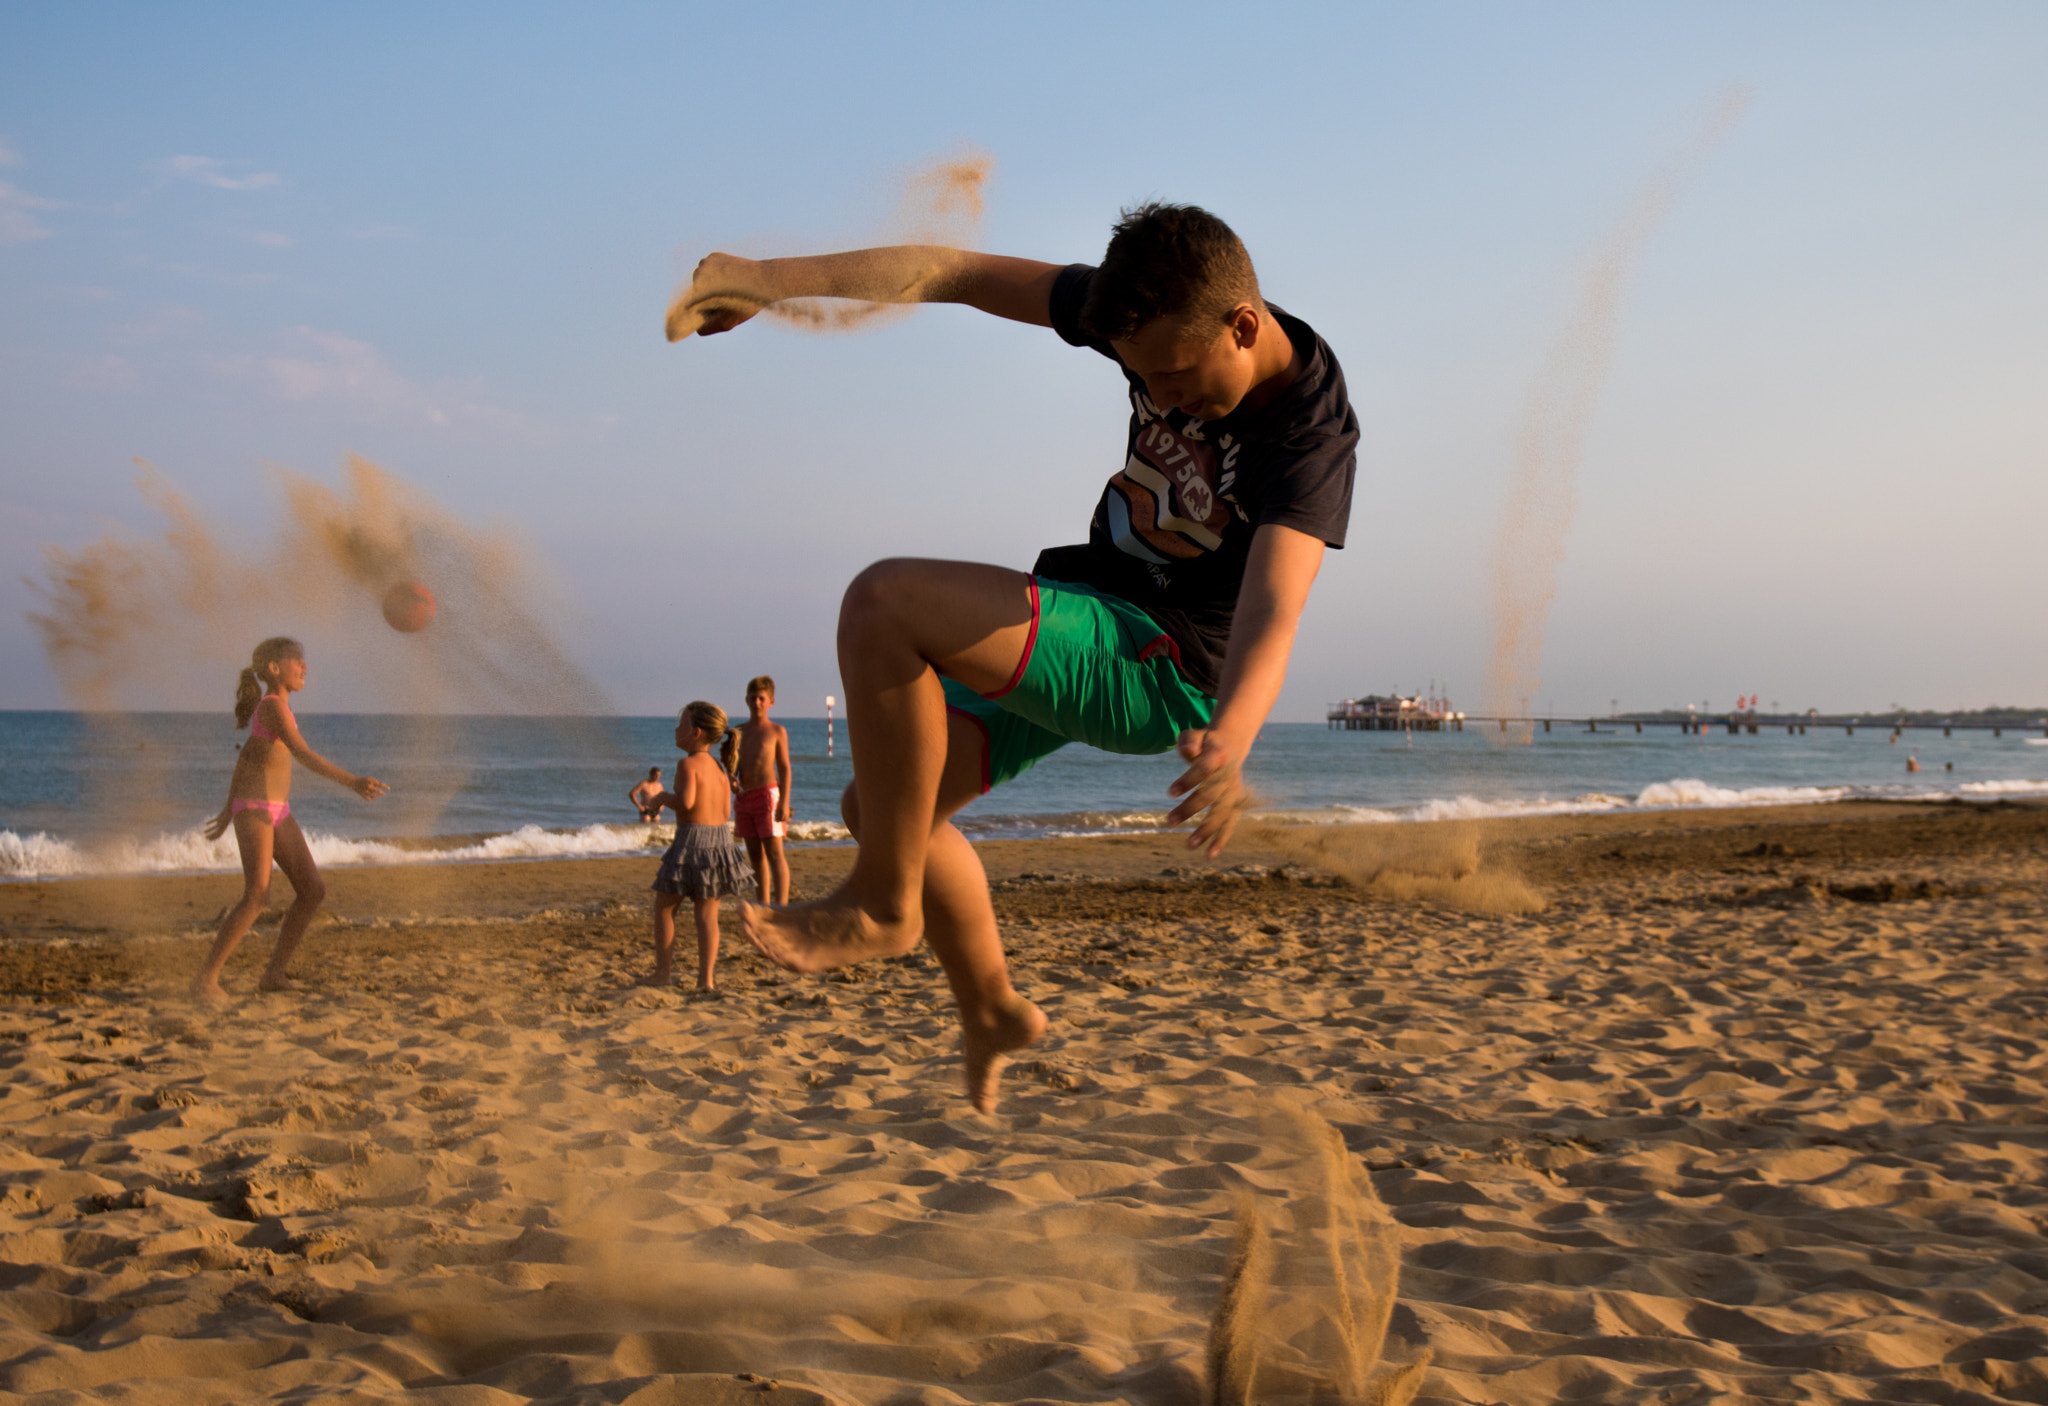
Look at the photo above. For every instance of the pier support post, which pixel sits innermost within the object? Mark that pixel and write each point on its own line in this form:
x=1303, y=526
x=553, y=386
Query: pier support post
x=1639, y=729
x=1944, y=732
x=1546, y=724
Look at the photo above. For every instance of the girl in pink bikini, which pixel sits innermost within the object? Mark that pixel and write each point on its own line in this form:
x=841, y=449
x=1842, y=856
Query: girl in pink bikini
x=261, y=815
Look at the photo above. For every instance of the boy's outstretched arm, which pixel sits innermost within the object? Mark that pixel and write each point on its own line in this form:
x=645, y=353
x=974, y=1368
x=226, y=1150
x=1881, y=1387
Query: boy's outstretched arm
x=727, y=290
x=1277, y=577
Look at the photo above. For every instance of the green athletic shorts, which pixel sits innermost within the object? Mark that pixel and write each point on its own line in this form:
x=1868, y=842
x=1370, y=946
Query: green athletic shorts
x=1096, y=669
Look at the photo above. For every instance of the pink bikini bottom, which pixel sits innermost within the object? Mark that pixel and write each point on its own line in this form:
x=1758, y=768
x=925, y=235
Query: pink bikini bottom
x=278, y=811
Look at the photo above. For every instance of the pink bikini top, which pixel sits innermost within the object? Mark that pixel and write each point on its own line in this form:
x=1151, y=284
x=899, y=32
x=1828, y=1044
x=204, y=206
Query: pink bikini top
x=258, y=731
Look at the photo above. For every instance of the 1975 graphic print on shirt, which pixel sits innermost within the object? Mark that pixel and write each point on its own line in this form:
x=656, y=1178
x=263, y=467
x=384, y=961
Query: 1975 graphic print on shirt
x=1166, y=504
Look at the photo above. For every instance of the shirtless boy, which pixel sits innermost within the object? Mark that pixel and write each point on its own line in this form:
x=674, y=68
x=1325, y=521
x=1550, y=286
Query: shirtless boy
x=1171, y=627
x=761, y=815
x=642, y=796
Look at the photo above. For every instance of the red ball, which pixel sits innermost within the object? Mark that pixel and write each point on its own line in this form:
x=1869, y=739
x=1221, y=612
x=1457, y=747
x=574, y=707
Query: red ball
x=408, y=607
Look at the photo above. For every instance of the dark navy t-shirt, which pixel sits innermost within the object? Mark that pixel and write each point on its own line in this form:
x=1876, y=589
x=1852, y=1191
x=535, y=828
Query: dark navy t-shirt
x=1174, y=527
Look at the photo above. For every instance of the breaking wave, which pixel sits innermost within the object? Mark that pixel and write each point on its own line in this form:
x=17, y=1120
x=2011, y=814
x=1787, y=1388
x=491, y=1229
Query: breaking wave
x=43, y=856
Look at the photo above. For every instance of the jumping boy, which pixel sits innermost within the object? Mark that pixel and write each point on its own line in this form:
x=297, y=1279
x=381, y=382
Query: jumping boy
x=1170, y=627
x=761, y=815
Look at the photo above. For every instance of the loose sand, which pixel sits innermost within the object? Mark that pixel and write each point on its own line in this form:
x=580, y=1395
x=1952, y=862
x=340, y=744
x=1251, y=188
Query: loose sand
x=1752, y=1108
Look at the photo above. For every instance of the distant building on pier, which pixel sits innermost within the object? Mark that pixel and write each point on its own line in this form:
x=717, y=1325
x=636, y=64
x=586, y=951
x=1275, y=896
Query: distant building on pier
x=1393, y=713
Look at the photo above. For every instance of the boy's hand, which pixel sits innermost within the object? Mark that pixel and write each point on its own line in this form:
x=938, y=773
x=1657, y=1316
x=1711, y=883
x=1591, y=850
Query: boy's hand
x=1213, y=783
x=725, y=291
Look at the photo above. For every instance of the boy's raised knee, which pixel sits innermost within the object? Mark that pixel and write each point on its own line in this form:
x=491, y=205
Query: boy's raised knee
x=880, y=591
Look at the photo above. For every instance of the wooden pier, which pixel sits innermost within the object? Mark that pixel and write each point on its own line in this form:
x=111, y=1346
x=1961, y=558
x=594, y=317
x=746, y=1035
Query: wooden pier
x=1353, y=719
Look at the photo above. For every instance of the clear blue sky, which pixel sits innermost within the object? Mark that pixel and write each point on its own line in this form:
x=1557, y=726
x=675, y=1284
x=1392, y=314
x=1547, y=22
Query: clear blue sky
x=443, y=237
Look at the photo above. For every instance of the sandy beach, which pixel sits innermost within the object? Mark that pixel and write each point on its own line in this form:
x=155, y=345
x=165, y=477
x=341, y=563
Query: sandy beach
x=1684, y=1107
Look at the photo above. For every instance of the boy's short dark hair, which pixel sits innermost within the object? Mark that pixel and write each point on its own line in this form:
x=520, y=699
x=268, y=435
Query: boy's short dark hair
x=1168, y=261
x=653, y=772
x=760, y=683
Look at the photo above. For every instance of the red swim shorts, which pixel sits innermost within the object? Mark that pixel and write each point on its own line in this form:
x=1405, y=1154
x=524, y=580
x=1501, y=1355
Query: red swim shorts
x=754, y=814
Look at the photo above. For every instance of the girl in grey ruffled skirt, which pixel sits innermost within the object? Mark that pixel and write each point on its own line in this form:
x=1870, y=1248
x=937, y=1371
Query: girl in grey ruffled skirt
x=704, y=863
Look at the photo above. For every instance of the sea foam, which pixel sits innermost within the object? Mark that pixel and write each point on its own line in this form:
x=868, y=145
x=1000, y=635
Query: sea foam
x=43, y=856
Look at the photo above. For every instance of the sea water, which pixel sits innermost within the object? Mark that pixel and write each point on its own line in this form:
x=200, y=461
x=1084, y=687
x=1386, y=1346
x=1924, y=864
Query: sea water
x=80, y=794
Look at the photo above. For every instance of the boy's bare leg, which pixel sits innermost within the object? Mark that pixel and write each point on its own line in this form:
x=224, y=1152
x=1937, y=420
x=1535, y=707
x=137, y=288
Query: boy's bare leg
x=707, y=941
x=757, y=855
x=295, y=857
x=960, y=924
x=901, y=622
x=778, y=868
x=664, y=941
x=254, y=836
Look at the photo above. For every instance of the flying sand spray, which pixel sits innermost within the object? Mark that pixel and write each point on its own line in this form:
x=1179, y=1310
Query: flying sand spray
x=940, y=207
x=145, y=623
x=1543, y=490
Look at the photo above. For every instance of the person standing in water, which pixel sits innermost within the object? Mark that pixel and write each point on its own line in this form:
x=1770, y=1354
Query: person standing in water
x=259, y=809
x=642, y=796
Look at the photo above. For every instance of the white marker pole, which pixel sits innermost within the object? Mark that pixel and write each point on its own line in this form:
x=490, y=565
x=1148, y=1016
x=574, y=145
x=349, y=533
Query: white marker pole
x=828, y=724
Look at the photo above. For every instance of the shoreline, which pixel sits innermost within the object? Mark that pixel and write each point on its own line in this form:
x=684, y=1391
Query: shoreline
x=118, y=906
x=604, y=838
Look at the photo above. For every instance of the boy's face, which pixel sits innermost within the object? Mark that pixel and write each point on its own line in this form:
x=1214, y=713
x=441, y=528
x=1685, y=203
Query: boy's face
x=1186, y=368
x=760, y=701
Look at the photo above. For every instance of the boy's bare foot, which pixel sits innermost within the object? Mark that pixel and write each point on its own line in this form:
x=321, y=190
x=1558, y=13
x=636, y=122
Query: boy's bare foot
x=830, y=933
x=1010, y=1026
x=660, y=976
x=209, y=992
x=277, y=983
